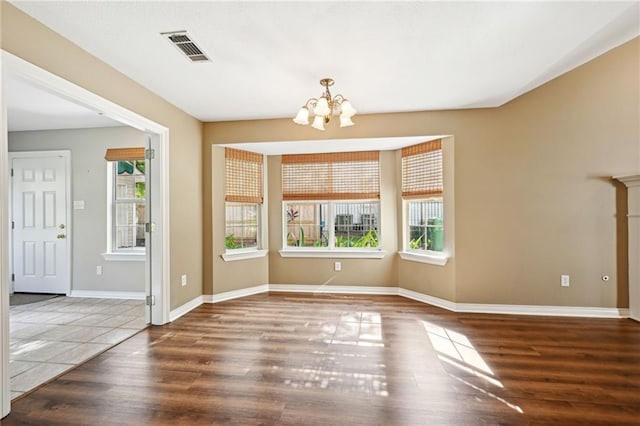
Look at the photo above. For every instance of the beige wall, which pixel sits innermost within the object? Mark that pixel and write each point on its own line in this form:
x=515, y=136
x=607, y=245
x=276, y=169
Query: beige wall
x=236, y=275
x=533, y=199
x=25, y=37
x=89, y=184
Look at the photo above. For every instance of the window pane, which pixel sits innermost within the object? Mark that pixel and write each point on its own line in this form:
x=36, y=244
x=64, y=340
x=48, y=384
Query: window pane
x=129, y=225
x=356, y=224
x=306, y=224
x=130, y=181
x=241, y=225
x=426, y=228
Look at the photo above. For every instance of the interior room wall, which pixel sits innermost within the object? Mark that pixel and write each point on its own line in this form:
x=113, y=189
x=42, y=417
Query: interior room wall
x=26, y=38
x=89, y=184
x=533, y=195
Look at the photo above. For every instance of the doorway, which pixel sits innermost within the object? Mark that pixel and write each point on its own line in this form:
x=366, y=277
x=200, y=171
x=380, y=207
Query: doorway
x=157, y=258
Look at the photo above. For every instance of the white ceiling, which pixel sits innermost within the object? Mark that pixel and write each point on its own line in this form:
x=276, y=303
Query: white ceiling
x=30, y=107
x=384, y=56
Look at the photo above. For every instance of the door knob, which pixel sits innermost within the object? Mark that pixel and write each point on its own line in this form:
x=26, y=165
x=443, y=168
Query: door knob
x=61, y=236
x=61, y=226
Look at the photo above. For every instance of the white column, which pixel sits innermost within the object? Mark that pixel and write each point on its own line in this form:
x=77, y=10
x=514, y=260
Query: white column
x=632, y=182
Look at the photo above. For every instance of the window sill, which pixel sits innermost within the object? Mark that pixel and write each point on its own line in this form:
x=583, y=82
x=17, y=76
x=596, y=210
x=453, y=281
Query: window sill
x=125, y=257
x=335, y=254
x=232, y=256
x=432, y=259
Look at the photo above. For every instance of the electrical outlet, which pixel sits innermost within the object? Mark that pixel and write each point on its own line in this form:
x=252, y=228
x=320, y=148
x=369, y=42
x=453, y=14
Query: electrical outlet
x=564, y=280
x=98, y=270
x=183, y=280
x=337, y=266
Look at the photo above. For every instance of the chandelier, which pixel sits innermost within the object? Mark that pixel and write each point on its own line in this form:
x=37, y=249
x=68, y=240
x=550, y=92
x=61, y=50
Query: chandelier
x=325, y=107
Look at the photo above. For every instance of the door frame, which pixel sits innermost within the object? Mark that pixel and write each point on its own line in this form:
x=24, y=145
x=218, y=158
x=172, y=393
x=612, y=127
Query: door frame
x=66, y=154
x=159, y=286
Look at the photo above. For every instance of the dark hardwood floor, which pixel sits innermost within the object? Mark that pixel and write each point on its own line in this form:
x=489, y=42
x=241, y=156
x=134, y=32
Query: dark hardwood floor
x=352, y=360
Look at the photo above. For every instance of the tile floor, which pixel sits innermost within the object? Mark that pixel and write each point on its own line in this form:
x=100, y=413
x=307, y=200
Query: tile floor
x=52, y=336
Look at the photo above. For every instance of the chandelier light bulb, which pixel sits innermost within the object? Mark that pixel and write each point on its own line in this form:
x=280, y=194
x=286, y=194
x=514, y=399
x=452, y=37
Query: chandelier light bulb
x=302, y=117
x=322, y=108
x=347, y=109
x=345, y=121
x=318, y=122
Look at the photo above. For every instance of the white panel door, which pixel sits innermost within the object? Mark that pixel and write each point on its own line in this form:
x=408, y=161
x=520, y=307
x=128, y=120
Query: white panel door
x=39, y=203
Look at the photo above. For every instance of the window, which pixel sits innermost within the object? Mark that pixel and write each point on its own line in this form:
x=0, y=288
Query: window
x=331, y=201
x=243, y=199
x=241, y=225
x=422, y=192
x=426, y=227
x=332, y=224
x=128, y=205
x=127, y=201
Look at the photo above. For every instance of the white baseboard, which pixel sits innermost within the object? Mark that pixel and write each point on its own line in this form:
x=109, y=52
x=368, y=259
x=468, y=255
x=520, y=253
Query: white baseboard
x=554, y=311
x=333, y=289
x=479, y=308
x=429, y=300
x=136, y=295
x=562, y=311
x=228, y=295
x=183, y=309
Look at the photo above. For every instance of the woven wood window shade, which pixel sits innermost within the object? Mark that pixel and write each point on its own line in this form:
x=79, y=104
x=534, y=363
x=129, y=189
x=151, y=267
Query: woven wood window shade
x=243, y=173
x=124, y=154
x=422, y=170
x=331, y=176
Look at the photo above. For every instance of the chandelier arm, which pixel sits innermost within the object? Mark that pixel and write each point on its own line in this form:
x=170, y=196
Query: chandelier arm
x=311, y=102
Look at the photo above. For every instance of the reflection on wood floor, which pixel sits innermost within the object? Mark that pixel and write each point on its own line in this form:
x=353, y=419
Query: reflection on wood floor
x=351, y=360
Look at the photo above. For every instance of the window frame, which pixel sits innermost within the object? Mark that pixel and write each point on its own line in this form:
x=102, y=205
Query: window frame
x=331, y=250
x=112, y=253
x=419, y=255
x=258, y=227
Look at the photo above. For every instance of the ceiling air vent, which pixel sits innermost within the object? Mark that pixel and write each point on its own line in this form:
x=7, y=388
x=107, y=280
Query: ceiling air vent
x=183, y=42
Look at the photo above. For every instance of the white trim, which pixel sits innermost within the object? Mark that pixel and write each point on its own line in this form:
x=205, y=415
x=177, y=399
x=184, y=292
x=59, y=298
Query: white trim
x=231, y=256
x=228, y=295
x=98, y=294
x=429, y=300
x=161, y=264
x=559, y=311
x=555, y=311
x=333, y=289
x=125, y=257
x=629, y=180
x=66, y=154
x=336, y=253
x=478, y=308
x=5, y=281
x=432, y=259
x=187, y=307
